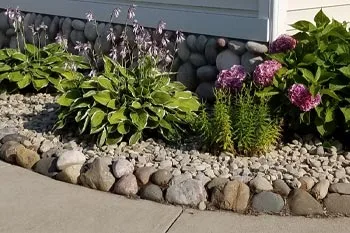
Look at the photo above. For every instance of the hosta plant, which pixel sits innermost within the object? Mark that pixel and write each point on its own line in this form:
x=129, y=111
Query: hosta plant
x=40, y=67
x=128, y=104
x=312, y=86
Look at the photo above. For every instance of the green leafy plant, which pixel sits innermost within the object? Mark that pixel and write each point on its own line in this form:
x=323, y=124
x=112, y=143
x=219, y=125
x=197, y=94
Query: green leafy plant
x=39, y=67
x=319, y=63
x=216, y=129
x=128, y=104
x=238, y=124
x=254, y=129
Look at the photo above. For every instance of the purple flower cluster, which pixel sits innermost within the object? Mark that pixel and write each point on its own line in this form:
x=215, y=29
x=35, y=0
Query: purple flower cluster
x=301, y=97
x=264, y=73
x=283, y=44
x=231, y=79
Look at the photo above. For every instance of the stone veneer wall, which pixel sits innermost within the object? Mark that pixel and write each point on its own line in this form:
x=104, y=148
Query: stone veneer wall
x=199, y=59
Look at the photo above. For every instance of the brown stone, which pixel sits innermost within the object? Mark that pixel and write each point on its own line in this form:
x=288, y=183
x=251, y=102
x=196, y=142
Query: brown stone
x=302, y=203
x=143, y=174
x=341, y=188
x=26, y=158
x=338, y=204
x=8, y=151
x=234, y=196
x=127, y=185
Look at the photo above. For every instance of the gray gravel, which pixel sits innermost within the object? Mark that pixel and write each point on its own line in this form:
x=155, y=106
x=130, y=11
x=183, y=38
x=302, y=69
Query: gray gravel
x=34, y=115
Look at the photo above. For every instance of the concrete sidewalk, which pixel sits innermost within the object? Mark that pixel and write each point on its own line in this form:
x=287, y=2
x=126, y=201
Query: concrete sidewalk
x=30, y=203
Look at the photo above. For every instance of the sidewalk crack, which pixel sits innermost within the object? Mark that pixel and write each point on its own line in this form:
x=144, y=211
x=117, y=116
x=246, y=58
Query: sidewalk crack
x=171, y=225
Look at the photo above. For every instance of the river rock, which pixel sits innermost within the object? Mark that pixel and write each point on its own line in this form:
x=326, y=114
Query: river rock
x=238, y=47
x=307, y=183
x=143, y=174
x=161, y=177
x=98, y=175
x=90, y=31
x=78, y=24
x=226, y=59
x=211, y=51
x=189, y=192
x=127, y=185
x=337, y=204
x=46, y=167
x=26, y=158
x=197, y=59
x=69, y=158
x=70, y=174
x=205, y=91
x=341, y=188
x=320, y=190
x=302, y=203
x=122, y=167
x=187, y=76
x=233, y=196
x=250, y=61
x=207, y=73
x=256, y=47
x=267, y=202
x=280, y=186
x=201, y=42
x=8, y=151
x=260, y=184
x=152, y=192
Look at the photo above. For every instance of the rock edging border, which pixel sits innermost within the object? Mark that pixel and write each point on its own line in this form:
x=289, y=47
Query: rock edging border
x=120, y=177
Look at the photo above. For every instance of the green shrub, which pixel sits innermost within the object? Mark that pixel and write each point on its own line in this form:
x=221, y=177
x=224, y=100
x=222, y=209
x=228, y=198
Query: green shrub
x=238, y=124
x=39, y=67
x=320, y=63
x=128, y=104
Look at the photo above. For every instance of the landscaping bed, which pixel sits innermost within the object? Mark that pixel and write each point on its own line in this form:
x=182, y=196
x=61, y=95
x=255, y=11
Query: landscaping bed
x=271, y=139
x=300, y=178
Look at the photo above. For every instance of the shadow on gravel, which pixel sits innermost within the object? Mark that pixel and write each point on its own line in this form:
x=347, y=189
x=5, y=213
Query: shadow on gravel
x=43, y=120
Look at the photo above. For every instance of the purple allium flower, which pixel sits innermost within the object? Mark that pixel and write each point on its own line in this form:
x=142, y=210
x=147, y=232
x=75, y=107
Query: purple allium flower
x=301, y=97
x=264, y=73
x=283, y=44
x=90, y=16
x=131, y=11
x=161, y=27
x=231, y=79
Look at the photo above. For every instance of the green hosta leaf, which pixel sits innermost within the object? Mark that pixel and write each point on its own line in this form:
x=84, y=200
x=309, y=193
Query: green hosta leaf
x=123, y=127
x=183, y=95
x=32, y=49
x=97, y=129
x=329, y=115
x=346, y=113
x=80, y=103
x=89, y=84
x=81, y=115
x=52, y=60
x=108, y=64
x=27, y=79
x=118, y=116
x=159, y=111
x=40, y=73
x=4, y=67
x=105, y=83
x=304, y=26
x=345, y=70
x=83, y=125
x=135, y=138
x=103, y=97
x=70, y=75
x=112, y=104
x=3, y=55
x=89, y=93
x=139, y=119
x=136, y=105
x=102, y=137
x=97, y=118
x=114, y=138
x=15, y=76
x=4, y=76
x=160, y=97
x=19, y=56
x=321, y=19
x=68, y=98
x=39, y=83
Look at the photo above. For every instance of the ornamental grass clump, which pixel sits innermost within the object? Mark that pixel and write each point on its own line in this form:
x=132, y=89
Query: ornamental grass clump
x=311, y=91
x=133, y=98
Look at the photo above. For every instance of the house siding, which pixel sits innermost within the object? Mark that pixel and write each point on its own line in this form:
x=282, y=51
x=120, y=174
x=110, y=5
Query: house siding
x=307, y=9
x=242, y=19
